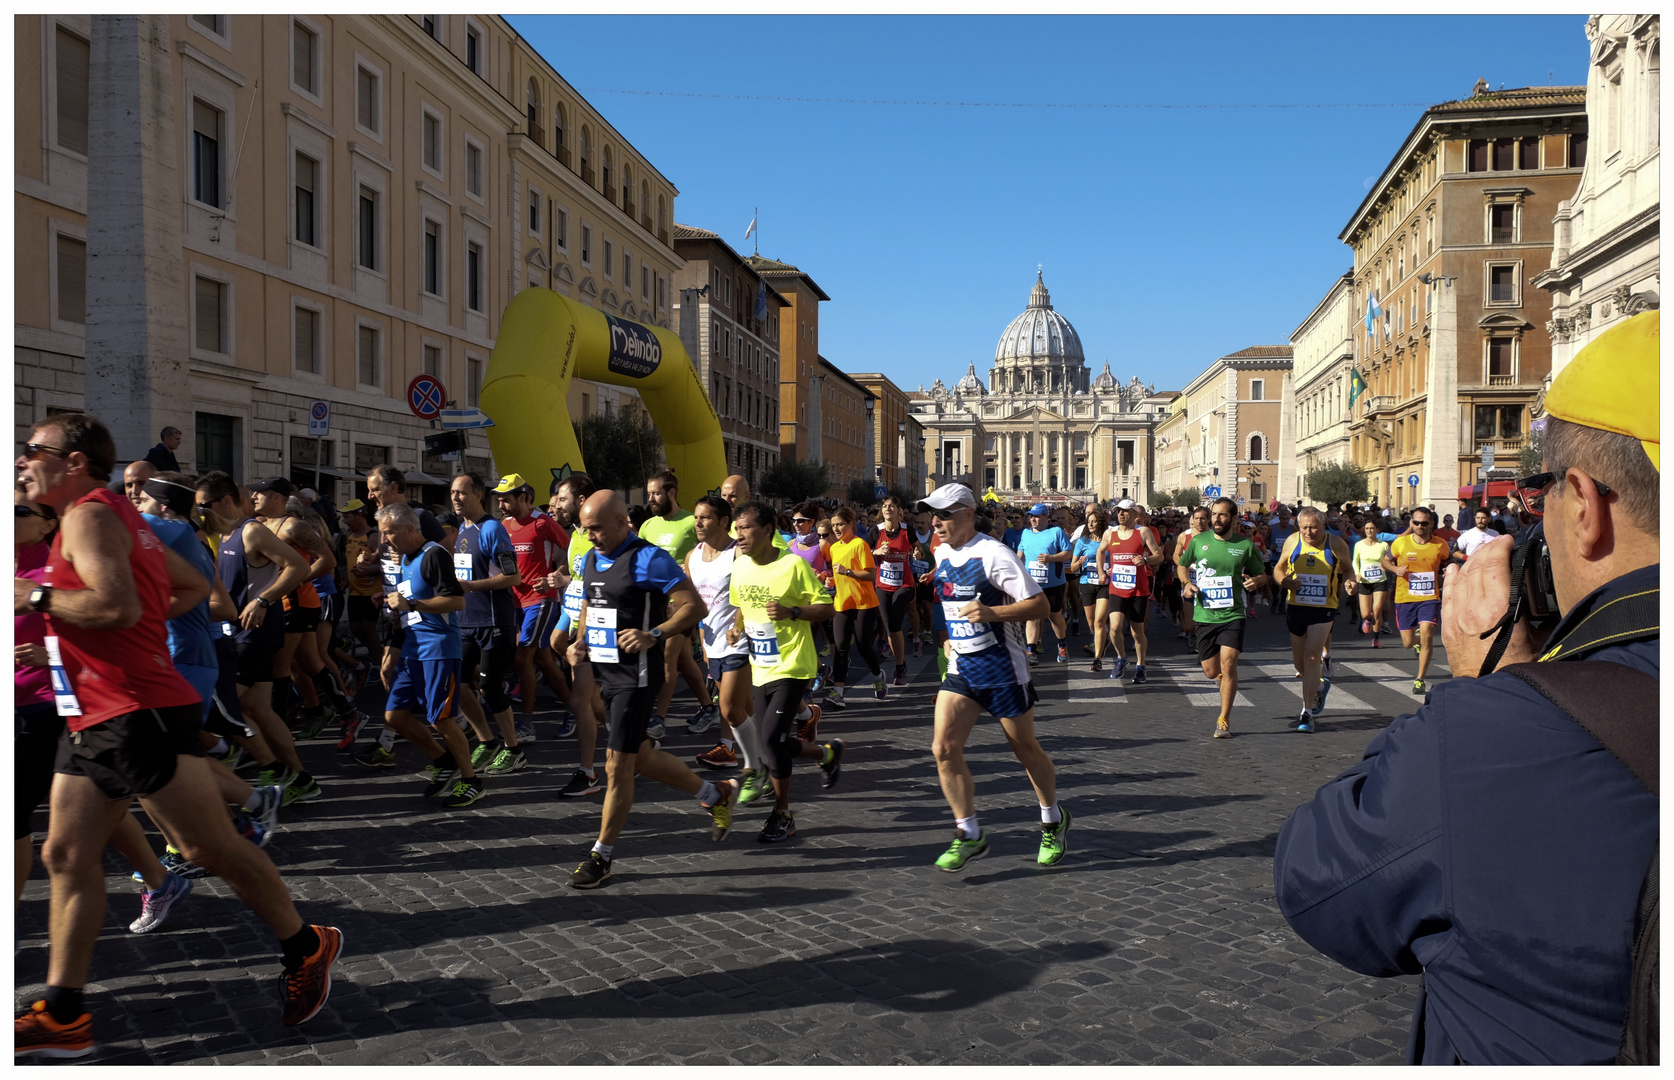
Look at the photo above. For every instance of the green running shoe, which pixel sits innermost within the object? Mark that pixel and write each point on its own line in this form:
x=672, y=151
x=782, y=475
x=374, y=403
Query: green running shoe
x=720, y=811
x=314, y=721
x=963, y=851
x=484, y=753
x=509, y=759
x=755, y=785
x=1052, y=844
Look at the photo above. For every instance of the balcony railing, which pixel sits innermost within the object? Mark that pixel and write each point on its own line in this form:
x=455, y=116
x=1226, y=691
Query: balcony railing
x=586, y=173
x=1512, y=444
x=629, y=208
x=1380, y=403
x=564, y=156
x=1502, y=380
x=645, y=222
x=662, y=234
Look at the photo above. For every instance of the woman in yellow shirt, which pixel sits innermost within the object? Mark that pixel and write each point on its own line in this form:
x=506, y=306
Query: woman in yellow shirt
x=856, y=623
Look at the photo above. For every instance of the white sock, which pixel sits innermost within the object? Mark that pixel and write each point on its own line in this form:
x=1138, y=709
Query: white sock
x=748, y=743
x=219, y=749
x=386, y=738
x=604, y=849
x=254, y=802
x=728, y=743
x=708, y=794
x=968, y=827
x=1051, y=815
x=806, y=714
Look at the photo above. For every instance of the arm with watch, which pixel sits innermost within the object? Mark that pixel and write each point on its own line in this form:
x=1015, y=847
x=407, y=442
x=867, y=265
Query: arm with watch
x=259, y=539
x=685, y=610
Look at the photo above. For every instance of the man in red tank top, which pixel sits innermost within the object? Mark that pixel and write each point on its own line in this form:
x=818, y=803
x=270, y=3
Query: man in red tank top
x=133, y=723
x=1128, y=553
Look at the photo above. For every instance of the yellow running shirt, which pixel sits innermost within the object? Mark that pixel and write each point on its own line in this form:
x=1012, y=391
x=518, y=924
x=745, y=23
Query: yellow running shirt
x=1317, y=578
x=855, y=554
x=1423, y=563
x=779, y=648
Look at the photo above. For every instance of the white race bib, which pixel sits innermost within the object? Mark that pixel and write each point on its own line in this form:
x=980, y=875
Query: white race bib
x=405, y=588
x=63, y=694
x=1124, y=576
x=601, y=636
x=572, y=599
x=414, y=618
x=967, y=636
x=462, y=566
x=1311, y=589
x=764, y=642
x=1217, y=591
x=1040, y=572
x=1421, y=585
x=891, y=574
x=1371, y=575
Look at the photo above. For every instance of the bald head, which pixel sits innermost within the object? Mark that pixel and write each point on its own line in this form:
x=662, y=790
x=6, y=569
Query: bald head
x=605, y=517
x=735, y=490
x=134, y=478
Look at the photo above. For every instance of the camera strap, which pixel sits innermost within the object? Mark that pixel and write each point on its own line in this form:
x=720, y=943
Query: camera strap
x=1513, y=611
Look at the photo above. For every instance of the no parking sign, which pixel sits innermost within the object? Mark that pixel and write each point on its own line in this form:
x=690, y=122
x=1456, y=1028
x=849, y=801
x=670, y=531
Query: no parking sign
x=426, y=397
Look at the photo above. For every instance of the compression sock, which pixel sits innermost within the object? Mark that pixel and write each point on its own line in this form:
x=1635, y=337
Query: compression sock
x=64, y=1003
x=300, y=946
x=746, y=743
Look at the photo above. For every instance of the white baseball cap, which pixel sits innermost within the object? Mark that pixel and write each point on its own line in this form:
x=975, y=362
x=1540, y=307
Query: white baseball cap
x=1125, y=504
x=947, y=497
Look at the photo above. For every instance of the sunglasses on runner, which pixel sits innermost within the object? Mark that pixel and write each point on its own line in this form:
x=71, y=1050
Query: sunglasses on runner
x=19, y=511
x=1532, y=490
x=33, y=451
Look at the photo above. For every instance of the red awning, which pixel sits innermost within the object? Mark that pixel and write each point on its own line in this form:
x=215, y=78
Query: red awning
x=1497, y=489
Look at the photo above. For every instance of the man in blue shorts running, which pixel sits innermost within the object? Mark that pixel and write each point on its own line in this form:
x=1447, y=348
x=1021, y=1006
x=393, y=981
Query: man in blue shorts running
x=980, y=585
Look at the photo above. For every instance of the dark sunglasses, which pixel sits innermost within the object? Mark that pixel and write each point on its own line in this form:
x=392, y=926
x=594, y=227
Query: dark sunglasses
x=802, y=521
x=204, y=508
x=20, y=512
x=33, y=451
x=1532, y=490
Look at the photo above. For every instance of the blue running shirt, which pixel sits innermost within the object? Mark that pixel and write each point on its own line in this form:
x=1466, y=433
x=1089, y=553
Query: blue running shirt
x=1035, y=543
x=985, y=655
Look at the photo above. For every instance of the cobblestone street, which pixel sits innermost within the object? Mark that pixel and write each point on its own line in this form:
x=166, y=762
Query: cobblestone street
x=1156, y=939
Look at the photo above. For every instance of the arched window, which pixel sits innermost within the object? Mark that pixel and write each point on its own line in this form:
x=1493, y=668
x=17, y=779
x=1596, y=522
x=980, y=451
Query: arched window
x=604, y=176
x=586, y=154
x=558, y=127
x=645, y=200
x=662, y=217
x=1256, y=448
x=628, y=187
x=534, y=111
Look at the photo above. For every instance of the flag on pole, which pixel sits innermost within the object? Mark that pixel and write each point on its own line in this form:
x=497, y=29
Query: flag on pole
x=1357, y=385
x=752, y=228
x=761, y=301
x=1373, y=312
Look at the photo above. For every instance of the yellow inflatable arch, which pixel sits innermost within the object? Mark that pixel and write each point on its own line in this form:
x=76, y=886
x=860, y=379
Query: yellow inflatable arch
x=545, y=340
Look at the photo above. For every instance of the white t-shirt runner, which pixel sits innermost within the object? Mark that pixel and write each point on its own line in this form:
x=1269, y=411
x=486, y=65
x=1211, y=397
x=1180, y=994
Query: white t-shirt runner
x=713, y=581
x=985, y=655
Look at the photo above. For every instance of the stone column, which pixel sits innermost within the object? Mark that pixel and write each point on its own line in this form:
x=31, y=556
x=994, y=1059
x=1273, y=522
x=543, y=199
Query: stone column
x=1284, y=486
x=1440, y=481
x=137, y=346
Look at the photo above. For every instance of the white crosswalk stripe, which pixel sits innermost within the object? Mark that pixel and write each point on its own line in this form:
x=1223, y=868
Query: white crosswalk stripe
x=1187, y=677
x=1396, y=678
x=1285, y=676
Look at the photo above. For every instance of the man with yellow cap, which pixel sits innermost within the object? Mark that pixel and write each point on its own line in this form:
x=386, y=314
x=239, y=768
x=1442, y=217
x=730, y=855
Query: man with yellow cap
x=1502, y=840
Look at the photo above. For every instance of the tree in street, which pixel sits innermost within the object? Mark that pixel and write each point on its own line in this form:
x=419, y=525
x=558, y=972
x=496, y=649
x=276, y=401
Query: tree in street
x=1335, y=484
x=794, y=481
x=622, y=448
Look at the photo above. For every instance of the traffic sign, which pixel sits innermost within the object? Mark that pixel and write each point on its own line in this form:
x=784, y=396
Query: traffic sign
x=1412, y=479
x=1213, y=492
x=1240, y=500
x=426, y=397
x=879, y=491
x=465, y=418
x=1487, y=455
x=319, y=418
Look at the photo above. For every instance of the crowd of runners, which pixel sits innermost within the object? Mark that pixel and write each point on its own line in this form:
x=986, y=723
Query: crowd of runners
x=179, y=635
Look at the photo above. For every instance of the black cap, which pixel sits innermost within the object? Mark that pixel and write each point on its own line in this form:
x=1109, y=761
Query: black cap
x=274, y=483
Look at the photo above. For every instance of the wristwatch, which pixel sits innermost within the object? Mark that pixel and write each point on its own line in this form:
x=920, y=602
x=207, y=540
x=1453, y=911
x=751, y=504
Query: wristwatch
x=796, y=612
x=40, y=598
x=656, y=633
x=264, y=602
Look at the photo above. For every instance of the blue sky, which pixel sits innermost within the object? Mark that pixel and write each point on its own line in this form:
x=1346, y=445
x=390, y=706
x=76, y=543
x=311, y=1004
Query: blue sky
x=1169, y=236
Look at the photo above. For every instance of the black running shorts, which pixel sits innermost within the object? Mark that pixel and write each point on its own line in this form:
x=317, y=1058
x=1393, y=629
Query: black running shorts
x=1213, y=637
x=134, y=754
x=1134, y=607
x=1054, y=598
x=1298, y=618
x=255, y=662
x=629, y=714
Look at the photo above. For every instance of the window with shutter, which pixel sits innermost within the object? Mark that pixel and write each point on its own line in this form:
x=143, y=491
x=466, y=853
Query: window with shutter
x=212, y=23
x=206, y=153
x=306, y=170
x=433, y=360
x=72, y=279
x=304, y=70
x=432, y=142
x=432, y=258
x=368, y=253
x=211, y=316
x=366, y=100
x=1503, y=151
x=307, y=340
x=473, y=51
x=473, y=277
x=366, y=356
x=1528, y=153
x=72, y=92
x=473, y=169
x=473, y=383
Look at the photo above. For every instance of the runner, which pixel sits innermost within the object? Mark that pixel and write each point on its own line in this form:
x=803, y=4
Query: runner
x=1311, y=569
x=302, y=607
x=1129, y=551
x=427, y=600
x=673, y=530
x=982, y=585
x=710, y=566
x=635, y=596
x=1207, y=564
x=1473, y=538
x=1416, y=559
x=1085, y=567
x=38, y=724
x=857, y=621
x=893, y=553
x=258, y=569
x=1045, y=549
x=365, y=594
x=485, y=565
x=133, y=725
x=923, y=563
x=814, y=548
x=586, y=705
x=1376, y=584
x=1196, y=523
x=539, y=543
x=773, y=598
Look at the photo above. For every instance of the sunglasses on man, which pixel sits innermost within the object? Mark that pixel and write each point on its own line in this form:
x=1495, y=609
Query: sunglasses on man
x=1532, y=490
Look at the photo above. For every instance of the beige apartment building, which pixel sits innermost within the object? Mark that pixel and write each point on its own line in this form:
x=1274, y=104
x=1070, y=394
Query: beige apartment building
x=1607, y=243
x=799, y=352
x=299, y=208
x=1449, y=240
x=897, y=436
x=1323, y=360
x=841, y=415
x=728, y=317
x=1227, y=426
x=1169, y=445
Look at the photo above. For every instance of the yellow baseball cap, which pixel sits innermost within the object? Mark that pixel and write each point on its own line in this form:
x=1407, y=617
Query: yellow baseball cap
x=512, y=482
x=353, y=506
x=1612, y=384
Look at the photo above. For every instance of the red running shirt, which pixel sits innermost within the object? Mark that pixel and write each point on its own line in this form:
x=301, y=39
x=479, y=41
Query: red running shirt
x=1128, y=576
x=115, y=672
x=893, y=571
x=541, y=547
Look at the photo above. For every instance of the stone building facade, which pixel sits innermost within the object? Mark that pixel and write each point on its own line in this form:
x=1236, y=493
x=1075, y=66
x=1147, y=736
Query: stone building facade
x=1448, y=241
x=1324, y=358
x=1043, y=428
x=897, y=435
x=1606, y=247
x=1228, y=426
x=305, y=207
x=729, y=320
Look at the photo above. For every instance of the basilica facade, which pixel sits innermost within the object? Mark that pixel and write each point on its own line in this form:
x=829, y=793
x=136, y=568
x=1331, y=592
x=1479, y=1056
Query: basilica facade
x=1042, y=429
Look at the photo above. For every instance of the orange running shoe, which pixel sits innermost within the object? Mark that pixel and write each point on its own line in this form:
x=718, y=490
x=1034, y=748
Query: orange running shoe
x=721, y=756
x=37, y=1033
x=810, y=729
x=307, y=987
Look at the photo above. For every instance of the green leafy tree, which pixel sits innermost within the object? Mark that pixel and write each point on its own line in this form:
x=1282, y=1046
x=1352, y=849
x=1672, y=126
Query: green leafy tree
x=1533, y=452
x=622, y=448
x=860, y=492
x=794, y=481
x=1186, y=496
x=906, y=498
x=1335, y=483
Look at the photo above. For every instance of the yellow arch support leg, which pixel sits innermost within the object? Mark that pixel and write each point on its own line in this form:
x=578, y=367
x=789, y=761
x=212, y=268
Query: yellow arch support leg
x=545, y=341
